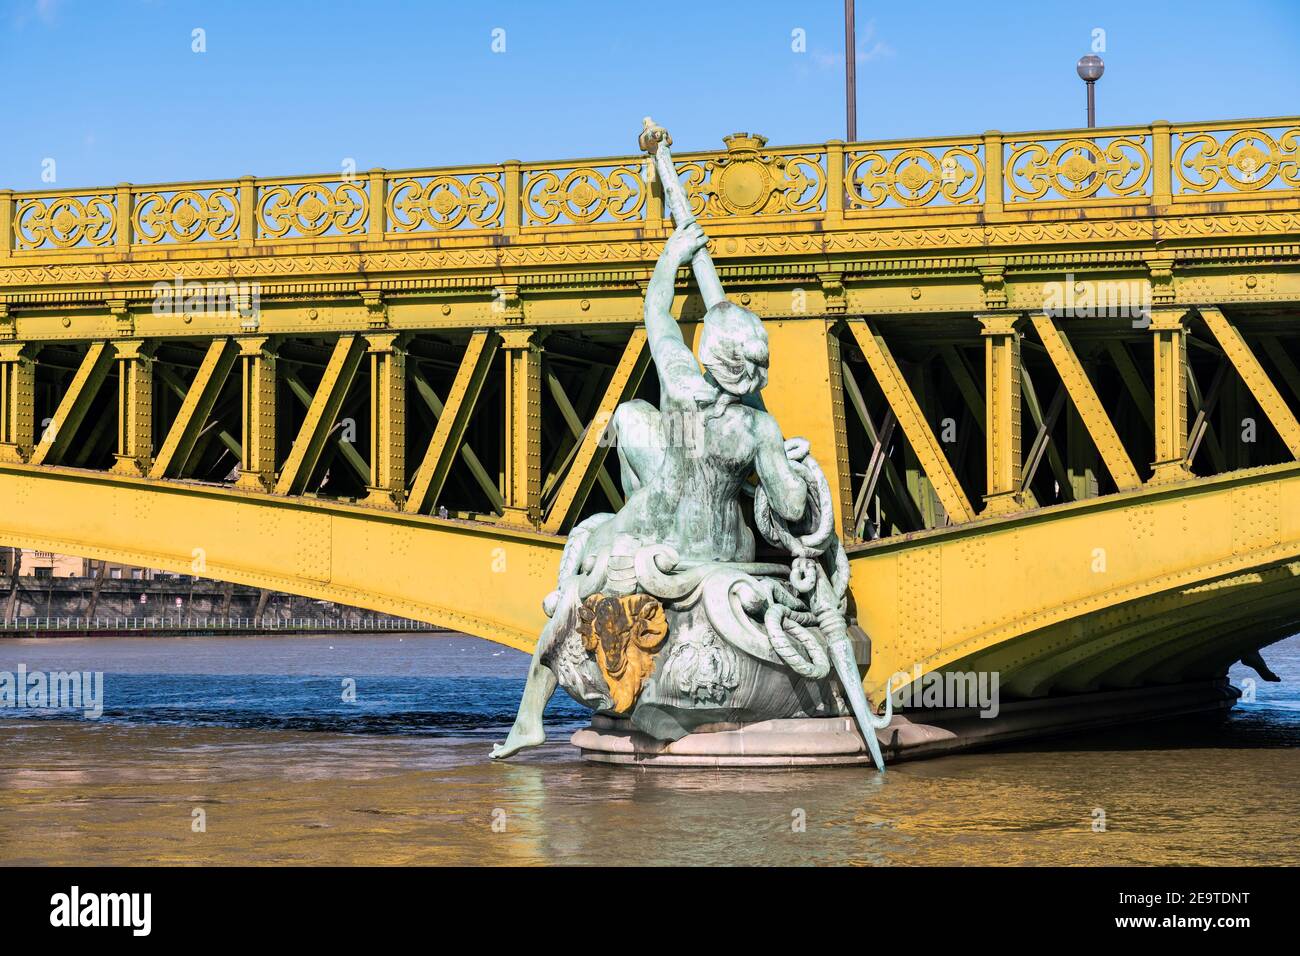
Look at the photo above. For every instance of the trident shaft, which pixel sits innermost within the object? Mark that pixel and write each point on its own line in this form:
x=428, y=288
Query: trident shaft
x=655, y=141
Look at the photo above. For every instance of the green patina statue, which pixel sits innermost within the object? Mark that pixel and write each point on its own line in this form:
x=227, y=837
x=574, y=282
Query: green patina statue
x=661, y=614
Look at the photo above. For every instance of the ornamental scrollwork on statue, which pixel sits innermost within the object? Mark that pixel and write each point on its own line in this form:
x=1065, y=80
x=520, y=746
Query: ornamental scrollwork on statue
x=63, y=222
x=914, y=176
x=1248, y=160
x=312, y=210
x=187, y=215
x=1077, y=169
x=583, y=195
x=445, y=202
x=746, y=181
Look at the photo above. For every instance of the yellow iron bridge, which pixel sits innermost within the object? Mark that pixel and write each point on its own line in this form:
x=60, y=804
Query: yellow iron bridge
x=1051, y=376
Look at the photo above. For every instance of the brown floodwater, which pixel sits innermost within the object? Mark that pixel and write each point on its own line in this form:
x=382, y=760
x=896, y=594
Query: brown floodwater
x=229, y=728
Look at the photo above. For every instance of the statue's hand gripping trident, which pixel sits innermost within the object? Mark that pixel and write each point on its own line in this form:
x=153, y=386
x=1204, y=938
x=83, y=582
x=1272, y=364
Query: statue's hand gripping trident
x=656, y=141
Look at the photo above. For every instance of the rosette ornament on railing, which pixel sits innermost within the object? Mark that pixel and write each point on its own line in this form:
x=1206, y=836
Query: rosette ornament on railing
x=583, y=195
x=186, y=215
x=63, y=222
x=311, y=210
x=1076, y=168
x=470, y=200
x=909, y=177
x=1248, y=160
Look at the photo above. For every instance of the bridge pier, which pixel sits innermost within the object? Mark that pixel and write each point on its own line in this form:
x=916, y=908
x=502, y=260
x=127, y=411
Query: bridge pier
x=1169, y=339
x=914, y=734
x=17, y=400
x=257, y=360
x=134, y=359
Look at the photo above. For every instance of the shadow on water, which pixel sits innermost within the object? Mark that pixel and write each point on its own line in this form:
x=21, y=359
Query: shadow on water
x=1269, y=722
x=1239, y=730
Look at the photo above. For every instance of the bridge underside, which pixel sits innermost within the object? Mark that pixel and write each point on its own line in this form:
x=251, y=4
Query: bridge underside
x=1166, y=585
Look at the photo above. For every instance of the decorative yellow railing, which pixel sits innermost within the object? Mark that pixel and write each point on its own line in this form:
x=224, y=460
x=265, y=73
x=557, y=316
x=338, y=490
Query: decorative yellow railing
x=940, y=172
x=993, y=174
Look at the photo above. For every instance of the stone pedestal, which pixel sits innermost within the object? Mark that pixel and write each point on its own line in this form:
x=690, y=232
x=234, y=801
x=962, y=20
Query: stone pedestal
x=796, y=742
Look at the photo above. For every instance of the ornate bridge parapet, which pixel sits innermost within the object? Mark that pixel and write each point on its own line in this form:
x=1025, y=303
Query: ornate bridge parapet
x=947, y=186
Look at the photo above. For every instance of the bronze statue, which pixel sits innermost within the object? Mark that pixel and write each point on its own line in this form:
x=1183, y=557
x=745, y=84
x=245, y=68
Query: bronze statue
x=661, y=614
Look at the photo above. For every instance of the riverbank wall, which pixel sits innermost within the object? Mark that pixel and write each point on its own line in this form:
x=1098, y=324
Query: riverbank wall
x=31, y=605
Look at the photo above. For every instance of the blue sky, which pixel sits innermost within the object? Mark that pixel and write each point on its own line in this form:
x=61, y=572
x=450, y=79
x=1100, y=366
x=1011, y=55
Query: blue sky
x=112, y=91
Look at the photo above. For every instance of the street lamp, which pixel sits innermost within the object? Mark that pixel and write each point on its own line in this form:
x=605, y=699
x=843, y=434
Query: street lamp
x=1090, y=68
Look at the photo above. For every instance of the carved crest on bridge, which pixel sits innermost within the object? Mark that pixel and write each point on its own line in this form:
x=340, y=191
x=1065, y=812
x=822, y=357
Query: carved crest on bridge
x=748, y=181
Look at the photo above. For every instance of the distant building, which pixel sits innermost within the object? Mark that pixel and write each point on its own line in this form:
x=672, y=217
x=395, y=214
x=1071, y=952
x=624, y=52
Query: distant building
x=46, y=564
x=125, y=571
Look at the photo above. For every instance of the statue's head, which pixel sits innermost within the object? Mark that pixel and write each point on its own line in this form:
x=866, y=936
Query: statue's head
x=733, y=349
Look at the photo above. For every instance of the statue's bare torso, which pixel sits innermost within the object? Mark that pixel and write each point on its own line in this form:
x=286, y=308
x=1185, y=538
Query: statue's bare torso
x=685, y=493
x=683, y=464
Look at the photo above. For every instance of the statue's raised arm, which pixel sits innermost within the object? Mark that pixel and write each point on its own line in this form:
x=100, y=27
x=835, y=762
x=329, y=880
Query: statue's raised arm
x=733, y=345
x=656, y=141
x=680, y=378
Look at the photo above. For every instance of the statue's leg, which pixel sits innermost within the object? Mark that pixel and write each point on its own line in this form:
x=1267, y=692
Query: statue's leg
x=528, y=730
x=640, y=442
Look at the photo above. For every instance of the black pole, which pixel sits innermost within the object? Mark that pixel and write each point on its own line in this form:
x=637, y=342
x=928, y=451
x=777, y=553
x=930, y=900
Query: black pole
x=1092, y=103
x=850, y=74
